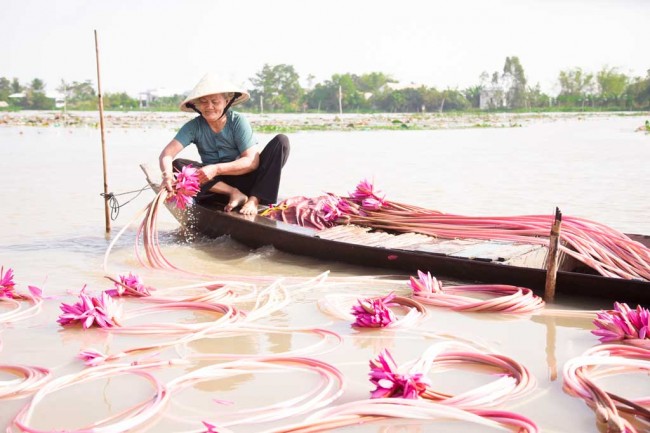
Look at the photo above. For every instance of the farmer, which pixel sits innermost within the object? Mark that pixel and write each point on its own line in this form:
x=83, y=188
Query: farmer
x=233, y=168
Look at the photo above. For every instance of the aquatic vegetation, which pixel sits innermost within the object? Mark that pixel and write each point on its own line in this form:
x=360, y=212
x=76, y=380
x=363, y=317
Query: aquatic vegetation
x=582, y=375
x=101, y=311
x=92, y=357
x=425, y=284
x=366, y=411
x=130, y=285
x=374, y=312
x=503, y=298
x=30, y=379
x=622, y=324
x=412, y=380
x=389, y=382
x=7, y=283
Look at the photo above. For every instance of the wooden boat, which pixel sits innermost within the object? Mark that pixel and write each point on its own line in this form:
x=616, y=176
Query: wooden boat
x=467, y=260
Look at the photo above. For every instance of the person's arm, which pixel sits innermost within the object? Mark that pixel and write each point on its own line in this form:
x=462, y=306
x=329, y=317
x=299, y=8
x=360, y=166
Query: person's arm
x=166, y=157
x=248, y=161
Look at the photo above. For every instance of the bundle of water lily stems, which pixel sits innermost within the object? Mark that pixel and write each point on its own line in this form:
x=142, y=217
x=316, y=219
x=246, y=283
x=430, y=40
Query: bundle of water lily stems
x=610, y=252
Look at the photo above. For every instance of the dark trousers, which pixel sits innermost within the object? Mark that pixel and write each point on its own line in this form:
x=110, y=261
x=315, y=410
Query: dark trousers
x=263, y=183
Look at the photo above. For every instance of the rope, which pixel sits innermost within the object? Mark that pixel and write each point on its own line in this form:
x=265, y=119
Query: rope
x=115, y=205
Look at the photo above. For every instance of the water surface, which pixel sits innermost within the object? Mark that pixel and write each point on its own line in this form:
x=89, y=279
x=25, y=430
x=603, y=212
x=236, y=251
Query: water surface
x=52, y=231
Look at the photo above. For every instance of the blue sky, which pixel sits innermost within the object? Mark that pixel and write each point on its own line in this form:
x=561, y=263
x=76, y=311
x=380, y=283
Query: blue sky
x=149, y=44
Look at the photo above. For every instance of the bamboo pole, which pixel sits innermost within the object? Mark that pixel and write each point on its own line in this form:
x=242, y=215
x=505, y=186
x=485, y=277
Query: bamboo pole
x=552, y=258
x=101, y=125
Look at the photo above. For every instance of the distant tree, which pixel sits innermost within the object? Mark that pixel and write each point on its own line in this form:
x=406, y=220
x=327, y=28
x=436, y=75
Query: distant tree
x=352, y=91
x=5, y=89
x=514, y=83
x=323, y=97
x=15, y=86
x=35, y=98
x=576, y=87
x=455, y=100
x=120, y=101
x=611, y=86
x=37, y=85
x=638, y=93
x=78, y=95
x=536, y=98
x=390, y=101
x=373, y=82
x=473, y=95
x=279, y=85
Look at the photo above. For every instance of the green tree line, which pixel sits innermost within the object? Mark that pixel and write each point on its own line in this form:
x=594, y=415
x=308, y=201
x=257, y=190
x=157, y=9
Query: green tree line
x=277, y=88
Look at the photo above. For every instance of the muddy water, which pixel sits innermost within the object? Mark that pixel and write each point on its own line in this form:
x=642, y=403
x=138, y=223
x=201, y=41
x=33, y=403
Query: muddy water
x=52, y=232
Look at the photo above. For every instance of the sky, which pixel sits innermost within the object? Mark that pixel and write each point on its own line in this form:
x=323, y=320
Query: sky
x=153, y=44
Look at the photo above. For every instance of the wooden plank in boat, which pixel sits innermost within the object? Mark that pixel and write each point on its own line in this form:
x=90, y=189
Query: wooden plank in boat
x=495, y=251
x=448, y=247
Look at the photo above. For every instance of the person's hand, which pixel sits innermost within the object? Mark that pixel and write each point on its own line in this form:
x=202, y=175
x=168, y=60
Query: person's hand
x=167, y=179
x=207, y=172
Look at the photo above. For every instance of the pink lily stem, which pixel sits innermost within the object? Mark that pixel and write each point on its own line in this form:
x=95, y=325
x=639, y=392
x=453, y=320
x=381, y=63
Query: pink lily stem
x=33, y=379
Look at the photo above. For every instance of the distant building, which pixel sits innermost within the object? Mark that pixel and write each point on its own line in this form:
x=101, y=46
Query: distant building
x=149, y=96
x=492, y=98
x=4, y=104
x=59, y=99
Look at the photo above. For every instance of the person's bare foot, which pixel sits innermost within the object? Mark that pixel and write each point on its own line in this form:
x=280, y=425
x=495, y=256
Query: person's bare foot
x=237, y=198
x=250, y=207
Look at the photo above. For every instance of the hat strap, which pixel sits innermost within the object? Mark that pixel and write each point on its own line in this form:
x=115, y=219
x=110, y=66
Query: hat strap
x=234, y=98
x=193, y=107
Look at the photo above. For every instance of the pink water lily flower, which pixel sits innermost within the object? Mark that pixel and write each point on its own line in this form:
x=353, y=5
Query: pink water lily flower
x=366, y=195
x=129, y=285
x=622, y=323
x=7, y=283
x=328, y=208
x=389, y=382
x=210, y=428
x=345, y=207
x=374, y=312
x=186, y=187
x=91, y=357
x=425, y=284
x=101, y=311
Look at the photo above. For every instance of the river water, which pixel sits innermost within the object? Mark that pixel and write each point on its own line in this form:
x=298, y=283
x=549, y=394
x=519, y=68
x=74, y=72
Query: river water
x=52, y=231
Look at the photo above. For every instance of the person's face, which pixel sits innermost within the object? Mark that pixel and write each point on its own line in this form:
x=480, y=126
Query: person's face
x=211, y=106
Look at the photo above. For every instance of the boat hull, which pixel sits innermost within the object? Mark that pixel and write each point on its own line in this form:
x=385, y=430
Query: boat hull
x=258, y=231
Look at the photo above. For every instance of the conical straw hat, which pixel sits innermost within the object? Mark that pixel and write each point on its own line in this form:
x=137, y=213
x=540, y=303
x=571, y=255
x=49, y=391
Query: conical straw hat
x=212, y=84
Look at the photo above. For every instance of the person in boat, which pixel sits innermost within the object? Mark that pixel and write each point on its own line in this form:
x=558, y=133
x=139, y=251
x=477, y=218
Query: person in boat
x=233, y=169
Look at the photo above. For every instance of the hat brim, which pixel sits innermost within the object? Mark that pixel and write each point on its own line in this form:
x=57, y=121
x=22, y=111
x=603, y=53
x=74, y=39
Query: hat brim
x=212, y=84
x=243, y=97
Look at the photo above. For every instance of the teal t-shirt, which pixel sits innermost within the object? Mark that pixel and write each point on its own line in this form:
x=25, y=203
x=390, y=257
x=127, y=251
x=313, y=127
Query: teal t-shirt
x=224, y=146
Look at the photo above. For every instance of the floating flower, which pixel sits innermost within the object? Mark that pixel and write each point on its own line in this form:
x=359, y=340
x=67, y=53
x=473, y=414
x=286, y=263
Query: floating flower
x=622, y=323
x=366, y=195
x=91, y=357
x=374, y=312
x=101, y=311
x=210, y=428
x=390, y=382
x=7, y=283
x=129, y=285
x=186, y=187
x=425, y=284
